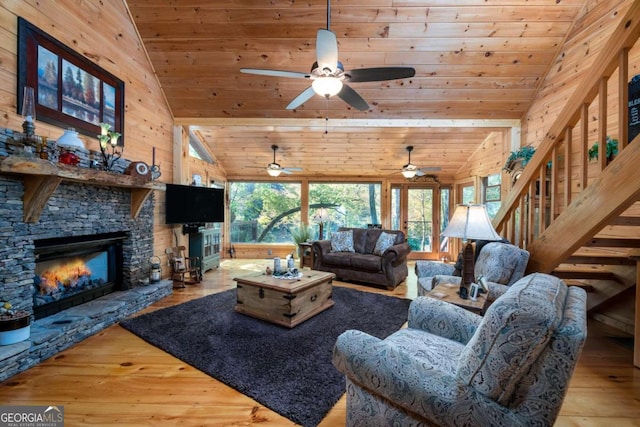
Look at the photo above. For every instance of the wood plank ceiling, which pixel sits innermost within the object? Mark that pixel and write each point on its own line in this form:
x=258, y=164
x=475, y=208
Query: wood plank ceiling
x=478, y=65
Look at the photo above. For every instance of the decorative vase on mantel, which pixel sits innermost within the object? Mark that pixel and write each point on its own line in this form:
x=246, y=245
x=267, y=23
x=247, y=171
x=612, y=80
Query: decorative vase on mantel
x=15, y=325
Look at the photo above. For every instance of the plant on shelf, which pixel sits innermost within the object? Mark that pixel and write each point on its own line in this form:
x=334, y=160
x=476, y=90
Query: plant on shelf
x=301, y=234
x=522, y=155
x=612, y=149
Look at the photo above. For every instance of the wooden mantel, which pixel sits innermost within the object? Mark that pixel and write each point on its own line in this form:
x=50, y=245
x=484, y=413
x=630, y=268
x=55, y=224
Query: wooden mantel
x=42, y=177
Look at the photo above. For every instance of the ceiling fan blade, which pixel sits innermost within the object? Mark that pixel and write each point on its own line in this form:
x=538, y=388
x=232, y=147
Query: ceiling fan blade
x=430, y=169
x=327, y=50
x=276, y=73
x=301, y=99
x=352, y=98
x=379, y=74
x=291, y=170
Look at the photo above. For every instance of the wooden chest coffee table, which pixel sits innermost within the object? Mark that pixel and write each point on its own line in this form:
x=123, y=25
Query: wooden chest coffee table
x=284, y=302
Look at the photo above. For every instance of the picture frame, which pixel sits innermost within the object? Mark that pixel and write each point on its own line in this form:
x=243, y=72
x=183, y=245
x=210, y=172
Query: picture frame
x=70, y=90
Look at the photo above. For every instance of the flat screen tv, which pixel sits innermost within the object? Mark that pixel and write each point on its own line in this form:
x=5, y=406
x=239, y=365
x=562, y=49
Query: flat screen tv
x=187, y=204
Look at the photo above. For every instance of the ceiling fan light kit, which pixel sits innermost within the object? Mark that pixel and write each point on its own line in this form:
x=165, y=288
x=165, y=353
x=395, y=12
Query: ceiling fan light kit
x=274, y=169
x=409, y=171
x=327, y=86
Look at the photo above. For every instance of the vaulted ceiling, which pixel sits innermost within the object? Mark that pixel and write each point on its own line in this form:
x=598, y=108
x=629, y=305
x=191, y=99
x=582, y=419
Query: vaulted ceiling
x=478, y=65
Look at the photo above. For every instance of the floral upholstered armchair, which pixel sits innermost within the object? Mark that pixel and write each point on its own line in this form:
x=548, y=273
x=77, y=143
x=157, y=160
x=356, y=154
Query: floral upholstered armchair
x=451, y=367
x=501, y=264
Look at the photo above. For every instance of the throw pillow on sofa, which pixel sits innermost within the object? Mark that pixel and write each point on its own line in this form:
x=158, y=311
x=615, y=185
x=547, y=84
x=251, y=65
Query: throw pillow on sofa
x=385, y=241
x=342, y=241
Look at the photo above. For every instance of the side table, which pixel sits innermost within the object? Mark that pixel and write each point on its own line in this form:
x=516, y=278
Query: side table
x=307, y=256
x=449, y=292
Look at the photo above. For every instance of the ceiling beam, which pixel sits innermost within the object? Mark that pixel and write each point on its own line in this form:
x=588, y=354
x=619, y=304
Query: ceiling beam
x=321, y=123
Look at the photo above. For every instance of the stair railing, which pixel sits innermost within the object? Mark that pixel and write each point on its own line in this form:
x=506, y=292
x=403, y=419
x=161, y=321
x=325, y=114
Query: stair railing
x=547, y=179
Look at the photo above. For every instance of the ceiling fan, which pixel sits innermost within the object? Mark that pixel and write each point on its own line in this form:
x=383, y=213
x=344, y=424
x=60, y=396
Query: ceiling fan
x=328, y=75
x=274, y=169
x=410, y=170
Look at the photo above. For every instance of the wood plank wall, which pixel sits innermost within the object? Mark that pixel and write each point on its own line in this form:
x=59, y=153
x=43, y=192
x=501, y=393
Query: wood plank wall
x=589, y=34
x=488, y=159
x=103, y=32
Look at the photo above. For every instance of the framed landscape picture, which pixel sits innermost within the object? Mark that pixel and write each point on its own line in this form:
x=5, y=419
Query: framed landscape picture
x=70, y=90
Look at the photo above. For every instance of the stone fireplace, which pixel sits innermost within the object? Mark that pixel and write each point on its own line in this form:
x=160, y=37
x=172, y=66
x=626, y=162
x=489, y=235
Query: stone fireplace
x=90, y=228
x=74, y=211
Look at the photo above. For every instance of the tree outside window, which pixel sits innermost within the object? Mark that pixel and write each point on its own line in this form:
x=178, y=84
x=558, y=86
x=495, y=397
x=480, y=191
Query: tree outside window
x=263, y=212
x=266, y=212
x=344, y=205
x=491, y=186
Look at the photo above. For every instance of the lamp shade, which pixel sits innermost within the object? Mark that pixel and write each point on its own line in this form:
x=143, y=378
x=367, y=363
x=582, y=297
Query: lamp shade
x=70, y=139
x=471, y=222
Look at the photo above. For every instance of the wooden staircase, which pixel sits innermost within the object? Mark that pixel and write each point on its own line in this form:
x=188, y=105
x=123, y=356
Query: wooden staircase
x=587, y=231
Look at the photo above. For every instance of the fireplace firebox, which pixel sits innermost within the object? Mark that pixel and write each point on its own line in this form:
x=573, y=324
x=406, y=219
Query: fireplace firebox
x=71, y=271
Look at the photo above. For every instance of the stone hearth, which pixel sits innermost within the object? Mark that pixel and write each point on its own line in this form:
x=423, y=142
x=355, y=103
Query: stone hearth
x=55, y=333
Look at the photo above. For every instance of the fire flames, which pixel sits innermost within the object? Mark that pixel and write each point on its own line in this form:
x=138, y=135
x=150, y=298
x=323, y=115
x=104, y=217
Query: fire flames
x=67, y=275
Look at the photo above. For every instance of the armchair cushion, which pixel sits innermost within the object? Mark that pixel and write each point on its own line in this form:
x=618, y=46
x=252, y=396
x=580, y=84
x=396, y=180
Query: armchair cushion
x=512, y=334
x=443, y=319
x=425, y=270
x=501, y=263
x=404, y=369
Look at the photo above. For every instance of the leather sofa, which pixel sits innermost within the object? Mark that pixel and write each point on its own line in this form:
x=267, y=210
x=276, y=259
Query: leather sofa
x=388, y=269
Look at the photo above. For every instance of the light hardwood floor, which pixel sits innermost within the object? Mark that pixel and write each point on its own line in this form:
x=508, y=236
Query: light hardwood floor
x=115, y=378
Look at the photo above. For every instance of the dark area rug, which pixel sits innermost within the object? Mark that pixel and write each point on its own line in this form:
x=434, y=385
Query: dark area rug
x=286, y=370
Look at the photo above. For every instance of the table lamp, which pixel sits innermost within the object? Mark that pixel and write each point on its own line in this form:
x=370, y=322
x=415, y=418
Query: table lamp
x=321, y=217
x=470, y=222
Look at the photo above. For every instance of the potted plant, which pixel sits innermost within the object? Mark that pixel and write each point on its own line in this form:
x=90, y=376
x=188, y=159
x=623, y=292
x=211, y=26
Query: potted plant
x=15, y=325
x=612, y=149
x=522, y=156
x=302, y=233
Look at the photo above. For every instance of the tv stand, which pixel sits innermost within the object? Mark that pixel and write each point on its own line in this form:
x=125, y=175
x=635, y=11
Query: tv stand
x=205, y=244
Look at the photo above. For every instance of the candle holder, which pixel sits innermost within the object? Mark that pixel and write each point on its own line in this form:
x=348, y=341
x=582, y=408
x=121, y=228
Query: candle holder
x=109, y=149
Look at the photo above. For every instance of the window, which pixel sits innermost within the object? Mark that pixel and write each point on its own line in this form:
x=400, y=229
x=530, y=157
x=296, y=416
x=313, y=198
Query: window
x=445, y=202
x=491, y=188
x=263, y=212
x=344, y=205
x=468, y=195
x=197, y=149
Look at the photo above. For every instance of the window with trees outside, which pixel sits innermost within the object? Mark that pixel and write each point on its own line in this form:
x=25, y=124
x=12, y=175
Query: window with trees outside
x=263, y=212
x=343, y=205
x=468, y=194
x=491, y=186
